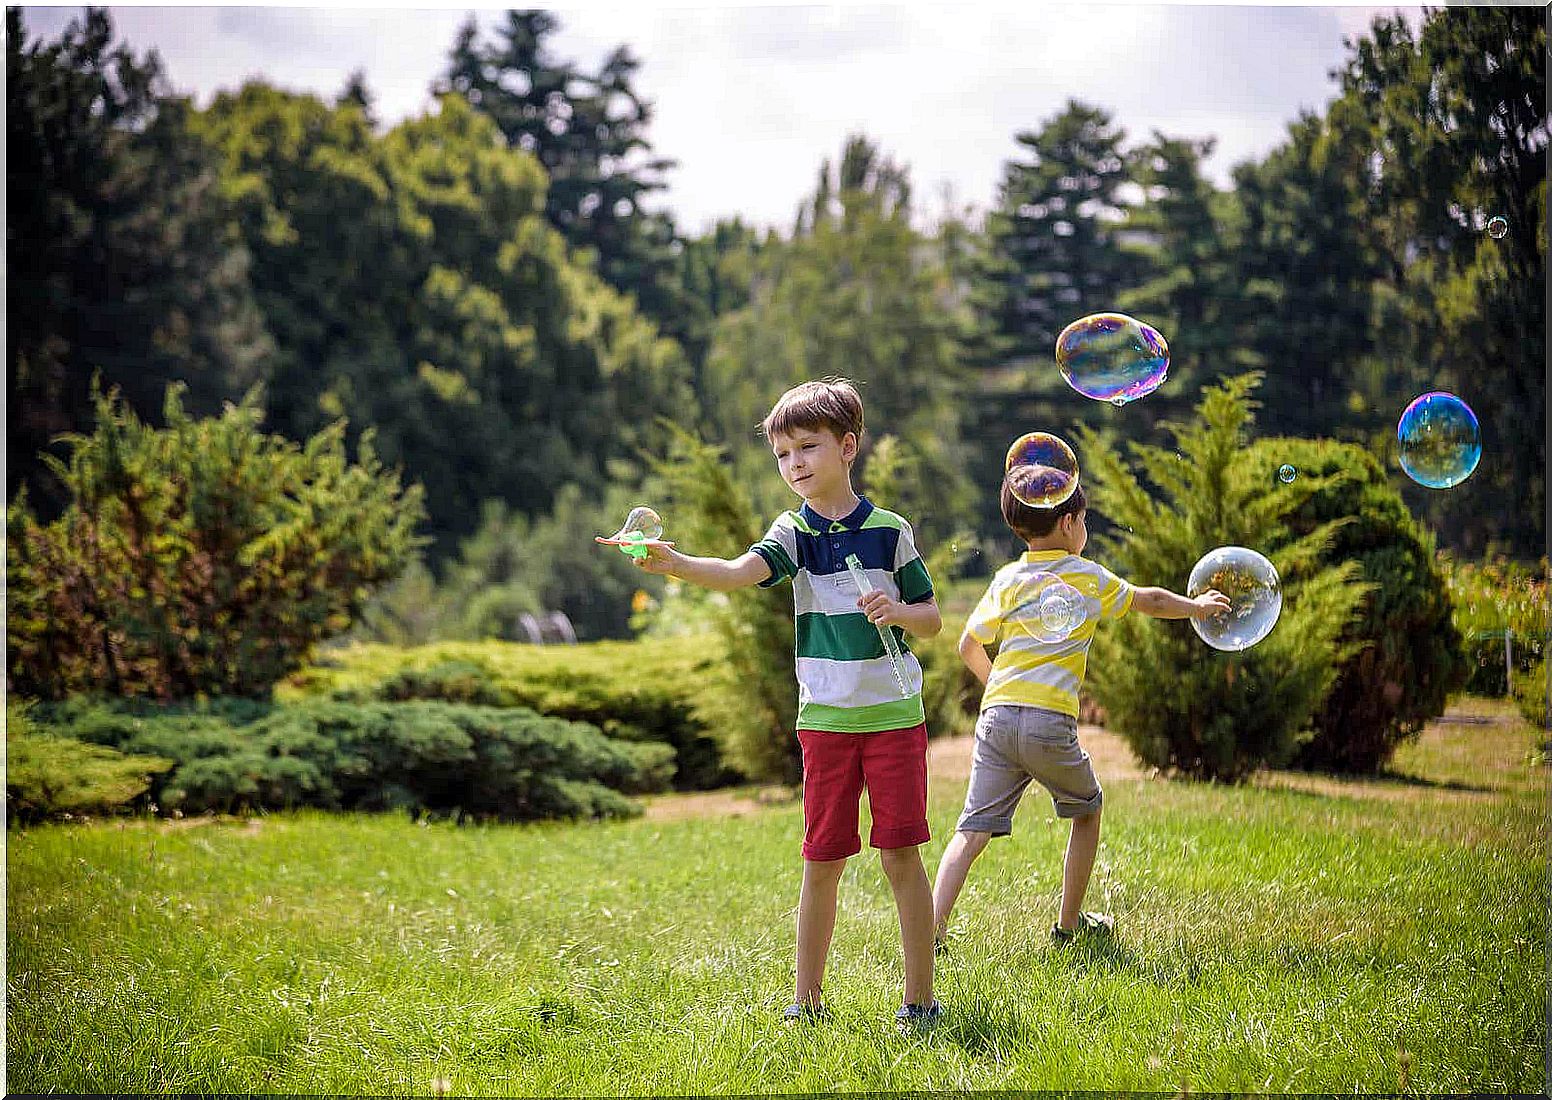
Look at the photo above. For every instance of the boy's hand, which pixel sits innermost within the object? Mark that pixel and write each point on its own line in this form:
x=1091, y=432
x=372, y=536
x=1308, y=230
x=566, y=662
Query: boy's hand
x=1209, y=603
x=881, y=610
x=659, y=559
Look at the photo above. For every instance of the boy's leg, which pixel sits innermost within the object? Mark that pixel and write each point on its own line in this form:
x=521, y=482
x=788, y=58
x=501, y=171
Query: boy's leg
x=816, y=925
x=960, y=853
x=913, y=899
x=998, y=780
x=894, y=764
x=832, y=791
x=1081, y=847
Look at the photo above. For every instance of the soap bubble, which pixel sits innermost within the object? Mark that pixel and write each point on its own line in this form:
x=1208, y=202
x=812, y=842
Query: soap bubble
x=1497, y=228
x=1046, y=608
x=1286, y=473
x=1440, y=441
x=1112, y=357
x=1042, y=470
x=643, y=520
x=1255, y=597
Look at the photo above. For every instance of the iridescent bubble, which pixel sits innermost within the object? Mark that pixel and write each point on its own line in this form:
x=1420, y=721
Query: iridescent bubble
x=1440, y=440
x=1255, y=597
x=1286, y=474
x=1046, y=608
x=1497, y=228
x=1042, y=470
x=643, y=520
x=1112, y=357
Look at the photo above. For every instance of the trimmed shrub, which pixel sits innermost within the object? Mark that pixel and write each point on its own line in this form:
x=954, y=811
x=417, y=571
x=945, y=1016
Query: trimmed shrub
x=1408, y=656
x=1179, y=703
x=662, y=690
x=497, y=763
x=47, y=777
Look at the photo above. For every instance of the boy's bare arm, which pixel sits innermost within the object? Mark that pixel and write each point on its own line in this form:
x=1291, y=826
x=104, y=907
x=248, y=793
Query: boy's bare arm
x=1161, y=603
x=975, y=657
x=920, y=620
x=721, y=574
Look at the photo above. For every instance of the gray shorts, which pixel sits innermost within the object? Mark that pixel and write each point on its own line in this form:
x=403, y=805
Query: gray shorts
x=1014, y=745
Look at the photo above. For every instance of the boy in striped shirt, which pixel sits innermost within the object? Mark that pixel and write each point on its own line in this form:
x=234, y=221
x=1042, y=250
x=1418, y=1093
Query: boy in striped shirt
x=856, y=725
x=1028, y=727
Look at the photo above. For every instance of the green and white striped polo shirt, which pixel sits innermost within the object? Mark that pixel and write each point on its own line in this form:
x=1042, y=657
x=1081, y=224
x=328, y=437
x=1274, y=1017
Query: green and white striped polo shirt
x=845, y=683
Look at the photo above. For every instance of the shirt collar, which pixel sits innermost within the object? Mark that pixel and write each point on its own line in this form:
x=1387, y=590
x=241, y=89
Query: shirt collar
x=1034, y=556
x=825, y=525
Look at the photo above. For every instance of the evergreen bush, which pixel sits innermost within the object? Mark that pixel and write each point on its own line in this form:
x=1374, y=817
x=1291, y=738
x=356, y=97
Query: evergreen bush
x=1409, y=658
x=206, y=558
x=1179, y=703
x=50, y=777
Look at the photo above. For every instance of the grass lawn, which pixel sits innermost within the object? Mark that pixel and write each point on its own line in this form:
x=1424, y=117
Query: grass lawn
x=1295, y=934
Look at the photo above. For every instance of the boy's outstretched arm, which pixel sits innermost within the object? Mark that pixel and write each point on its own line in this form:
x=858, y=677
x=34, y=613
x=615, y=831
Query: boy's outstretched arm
x=721, y=574
x=975, y=657
x=1161, y=603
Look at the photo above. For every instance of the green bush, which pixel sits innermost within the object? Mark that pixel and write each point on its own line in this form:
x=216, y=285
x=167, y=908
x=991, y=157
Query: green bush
x=48, y=777
x=1179, y=703
x=662, y=690
x=1409, y=658
x=1530, y=695
x=501, y=763
x=1489, y=597
x=206, y=558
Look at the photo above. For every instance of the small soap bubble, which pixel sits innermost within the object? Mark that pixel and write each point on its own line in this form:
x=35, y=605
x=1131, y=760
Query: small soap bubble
x=1042, y=470
x=1112, y=357
x=1046, y=608
x=1497, y=228
x=1286, y=474
x=1441, y=442
x=1255, y=595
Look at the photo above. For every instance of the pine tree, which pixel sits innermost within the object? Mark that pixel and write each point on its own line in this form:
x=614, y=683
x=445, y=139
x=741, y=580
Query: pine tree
x=120, y=258
x=1179, y=703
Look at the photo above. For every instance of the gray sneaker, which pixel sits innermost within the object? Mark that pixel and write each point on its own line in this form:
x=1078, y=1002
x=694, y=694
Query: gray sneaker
x=1089, y=924
x=805, y=1013
x=918, y=1017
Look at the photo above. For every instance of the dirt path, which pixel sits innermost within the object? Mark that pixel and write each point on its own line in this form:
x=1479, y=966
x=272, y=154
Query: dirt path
x=948, y=766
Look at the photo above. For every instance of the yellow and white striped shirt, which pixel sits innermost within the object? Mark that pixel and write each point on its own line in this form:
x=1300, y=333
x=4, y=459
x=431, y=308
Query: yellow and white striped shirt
x=1027, y=670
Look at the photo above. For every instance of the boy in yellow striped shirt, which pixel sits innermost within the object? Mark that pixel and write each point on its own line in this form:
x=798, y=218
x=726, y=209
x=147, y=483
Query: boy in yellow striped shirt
x=1028, y=726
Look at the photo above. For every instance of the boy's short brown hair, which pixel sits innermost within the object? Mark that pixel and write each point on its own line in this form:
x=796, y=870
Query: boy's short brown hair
x=832, y=403
x=1036, y=523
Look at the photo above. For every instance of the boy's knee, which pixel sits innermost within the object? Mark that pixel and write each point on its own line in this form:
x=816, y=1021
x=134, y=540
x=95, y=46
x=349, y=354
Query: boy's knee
x=975, y=842
x=1086, y=821
x=899, y=861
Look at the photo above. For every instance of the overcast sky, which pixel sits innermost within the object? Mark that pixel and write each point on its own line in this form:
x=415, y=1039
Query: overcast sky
x=749, y=99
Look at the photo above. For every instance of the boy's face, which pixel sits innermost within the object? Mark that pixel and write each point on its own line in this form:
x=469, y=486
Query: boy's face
x=814, y=463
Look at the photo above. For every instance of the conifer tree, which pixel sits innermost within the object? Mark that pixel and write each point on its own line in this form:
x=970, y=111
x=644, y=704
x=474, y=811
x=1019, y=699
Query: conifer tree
x=1179, y=703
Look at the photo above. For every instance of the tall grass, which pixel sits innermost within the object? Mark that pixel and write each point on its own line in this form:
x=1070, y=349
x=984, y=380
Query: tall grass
x=1296, y=934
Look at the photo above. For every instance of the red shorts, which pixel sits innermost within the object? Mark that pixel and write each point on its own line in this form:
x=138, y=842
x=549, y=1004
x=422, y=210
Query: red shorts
x=892, y=764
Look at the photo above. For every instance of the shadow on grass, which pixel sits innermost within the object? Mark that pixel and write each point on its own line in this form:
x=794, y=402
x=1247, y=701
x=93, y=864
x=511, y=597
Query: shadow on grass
x=1388, y=776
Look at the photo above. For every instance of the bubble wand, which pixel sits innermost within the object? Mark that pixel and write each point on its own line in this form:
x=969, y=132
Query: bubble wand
x=896, y=661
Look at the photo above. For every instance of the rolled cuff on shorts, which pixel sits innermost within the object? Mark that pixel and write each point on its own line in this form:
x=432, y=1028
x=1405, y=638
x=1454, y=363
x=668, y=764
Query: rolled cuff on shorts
x=904, y=836
x=1079, y=807
x=985, y=823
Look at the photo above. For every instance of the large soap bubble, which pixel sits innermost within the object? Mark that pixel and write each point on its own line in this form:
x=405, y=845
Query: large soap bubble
x=1440, y=441
x=1497, y=228
x=1255, y=597
x=1046, y=608
x=1042, y=470
x=1112, y=357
